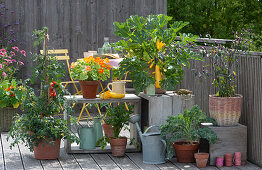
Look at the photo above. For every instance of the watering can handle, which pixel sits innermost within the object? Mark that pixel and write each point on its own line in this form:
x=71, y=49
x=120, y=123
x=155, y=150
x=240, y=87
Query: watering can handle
x=164, y=143
x=150, y=128
x=78, y=131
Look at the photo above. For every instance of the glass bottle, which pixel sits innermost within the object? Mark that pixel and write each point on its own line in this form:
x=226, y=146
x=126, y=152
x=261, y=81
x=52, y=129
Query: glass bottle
x=106, y=46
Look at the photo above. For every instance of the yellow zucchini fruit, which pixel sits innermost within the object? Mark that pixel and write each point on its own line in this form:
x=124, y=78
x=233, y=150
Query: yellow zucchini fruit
x=157, y=76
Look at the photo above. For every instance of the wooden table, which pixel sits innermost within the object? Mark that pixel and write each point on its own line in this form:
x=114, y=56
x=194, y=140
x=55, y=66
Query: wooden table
x=129, y=98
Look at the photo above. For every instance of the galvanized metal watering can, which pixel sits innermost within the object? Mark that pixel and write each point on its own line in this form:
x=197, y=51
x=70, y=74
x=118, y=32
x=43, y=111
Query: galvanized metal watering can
x=153, y=146
x=87, y=137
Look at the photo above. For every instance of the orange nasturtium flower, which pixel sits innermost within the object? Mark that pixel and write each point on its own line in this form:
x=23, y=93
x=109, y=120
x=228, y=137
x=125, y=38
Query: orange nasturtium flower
x=87, y=59
x=101, y=70
x=97, y=59
x=73, y=65
x=160, y=45
x=103, y=65
x=88, y=68
x=107, y=60
x=108, y=67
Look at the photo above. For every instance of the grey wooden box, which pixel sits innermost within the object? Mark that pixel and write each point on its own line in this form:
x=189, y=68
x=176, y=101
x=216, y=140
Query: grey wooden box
x=230, y=140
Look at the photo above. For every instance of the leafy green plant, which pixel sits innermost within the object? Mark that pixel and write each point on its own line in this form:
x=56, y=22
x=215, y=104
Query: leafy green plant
x=11, y=94
x=38, y=122
x=151, y=47
x=187, y=126
x=117, y=117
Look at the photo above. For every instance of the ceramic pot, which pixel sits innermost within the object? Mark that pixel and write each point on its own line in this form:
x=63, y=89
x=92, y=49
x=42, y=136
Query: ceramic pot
x=118, y=146
x=201, y=159
x=225, y=110
x=185, y=151
x=108, y=130
x=47, y=151
x=89, y=89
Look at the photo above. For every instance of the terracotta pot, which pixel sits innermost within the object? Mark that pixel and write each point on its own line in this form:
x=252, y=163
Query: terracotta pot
x=46, y=151
x=225, y=110
x=118, y=146
x=108, y=130
x=89, y=89
x=185, y=151
x=201, y=159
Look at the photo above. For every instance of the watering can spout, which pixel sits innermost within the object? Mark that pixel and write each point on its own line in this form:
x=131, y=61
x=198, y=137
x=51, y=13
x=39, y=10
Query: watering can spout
x=135, y=119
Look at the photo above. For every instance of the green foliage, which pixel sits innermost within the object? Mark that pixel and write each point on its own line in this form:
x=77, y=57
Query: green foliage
x=11, y=94
x=187, y=126
x=147, y=43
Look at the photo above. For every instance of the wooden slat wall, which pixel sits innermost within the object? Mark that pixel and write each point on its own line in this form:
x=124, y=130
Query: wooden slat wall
x=249, y=72
x=76, y=25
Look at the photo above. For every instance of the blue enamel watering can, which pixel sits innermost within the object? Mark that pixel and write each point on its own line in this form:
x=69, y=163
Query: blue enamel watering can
x=153, y=146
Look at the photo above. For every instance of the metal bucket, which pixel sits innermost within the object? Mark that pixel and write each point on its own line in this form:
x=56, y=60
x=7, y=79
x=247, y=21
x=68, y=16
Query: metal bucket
x=87, y=137
x=154, y=147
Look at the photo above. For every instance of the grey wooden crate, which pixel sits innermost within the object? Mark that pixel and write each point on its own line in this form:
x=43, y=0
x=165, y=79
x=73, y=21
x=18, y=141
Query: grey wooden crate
x=230, y=140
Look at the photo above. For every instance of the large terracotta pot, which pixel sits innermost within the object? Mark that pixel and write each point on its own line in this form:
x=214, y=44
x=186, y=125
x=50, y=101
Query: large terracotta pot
x=45, y=151
x=225, y=110
x=185, y=151
x=108, y=130
x=118, y=146
x=89, y=89
x=201, y=159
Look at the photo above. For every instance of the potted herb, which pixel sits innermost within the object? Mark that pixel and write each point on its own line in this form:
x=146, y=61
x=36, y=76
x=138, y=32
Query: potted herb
x=89, y=71
x=11, y=92
x=38, y=127
x=152, y=54
x=225, y=106
x=117, y=117
x=186, y=127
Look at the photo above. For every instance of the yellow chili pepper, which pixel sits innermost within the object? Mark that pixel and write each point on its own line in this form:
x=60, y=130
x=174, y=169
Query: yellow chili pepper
x=157, y=76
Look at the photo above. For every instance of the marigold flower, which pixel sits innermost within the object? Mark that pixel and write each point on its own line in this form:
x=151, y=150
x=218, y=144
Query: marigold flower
x=88, y=68
x=101, y=71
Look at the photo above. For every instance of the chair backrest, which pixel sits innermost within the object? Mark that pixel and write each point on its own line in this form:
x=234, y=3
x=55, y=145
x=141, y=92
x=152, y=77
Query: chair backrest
x=62, y=54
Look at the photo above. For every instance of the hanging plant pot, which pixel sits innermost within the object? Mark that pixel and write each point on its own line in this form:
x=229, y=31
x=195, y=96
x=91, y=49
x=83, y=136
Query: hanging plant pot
x=225, y=110
x=185, y=151
x=6, y=117
x=89, y=89
x=47, y=151
x=201, y=159
x=118, y=146
x=108, y=130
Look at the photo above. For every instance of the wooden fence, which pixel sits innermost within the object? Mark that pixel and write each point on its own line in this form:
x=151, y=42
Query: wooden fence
x=77, y=25
x=249, y=71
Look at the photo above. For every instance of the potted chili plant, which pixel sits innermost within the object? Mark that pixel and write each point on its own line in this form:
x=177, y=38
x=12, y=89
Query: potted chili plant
x=186, y=127
x=38, y=127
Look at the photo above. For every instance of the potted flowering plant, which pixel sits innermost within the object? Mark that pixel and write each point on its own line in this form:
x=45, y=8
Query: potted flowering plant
x=38, y=126
x=89, y=71
x=152, y=54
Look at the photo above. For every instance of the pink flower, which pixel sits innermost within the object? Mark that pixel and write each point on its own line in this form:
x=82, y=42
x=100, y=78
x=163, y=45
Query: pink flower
x=2, y=54
x=21, y=63
x=13, y=54
x=1, y=66
x=4, y=74
x=13, y=60
x=3, y=50
x=15, y=48
x=6, y=63
x=23, y=52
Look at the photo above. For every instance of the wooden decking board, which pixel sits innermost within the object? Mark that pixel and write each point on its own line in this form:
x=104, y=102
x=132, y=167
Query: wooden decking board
x=67, y=161
x=2, y=165
x=12, y=157
x=186, y=166
x=229, y=168
x=124, y=162
x=138, y=160
x=86, y=162
x=51, y=164
x=249, y=166
x=168, y=165
x=105, y=162
x=28, y=159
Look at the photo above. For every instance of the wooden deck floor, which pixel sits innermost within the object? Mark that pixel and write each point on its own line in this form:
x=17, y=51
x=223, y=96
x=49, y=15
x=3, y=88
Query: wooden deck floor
x=21, y=158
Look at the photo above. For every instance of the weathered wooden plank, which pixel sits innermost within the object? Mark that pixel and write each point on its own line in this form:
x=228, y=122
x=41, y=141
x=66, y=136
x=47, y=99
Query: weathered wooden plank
x=187, y=166
x=229, y=168
x=249, y=166
x=138, y=160
x=11, y=157
x=51, y=164
x=67, y=161
x=104, y=161
x=167, y=165
x=28, y=159
x=124, y=162
x=1, y=155
x=86, y=162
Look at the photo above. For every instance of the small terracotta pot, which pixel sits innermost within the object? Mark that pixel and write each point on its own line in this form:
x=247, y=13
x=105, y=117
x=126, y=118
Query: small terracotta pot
x=108, y=130
x=201, y=159
x=118, y=146
x=45, y=151
x=89, y=89
x=185, y=151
